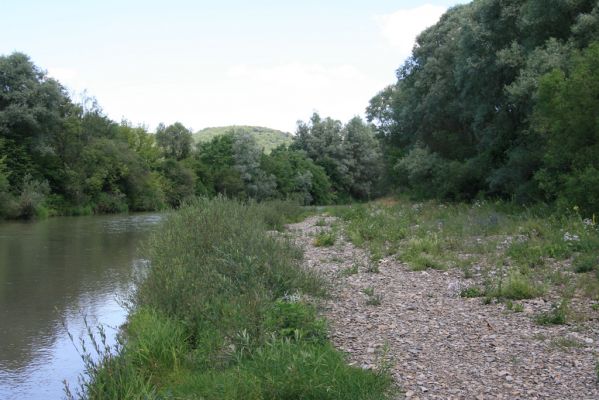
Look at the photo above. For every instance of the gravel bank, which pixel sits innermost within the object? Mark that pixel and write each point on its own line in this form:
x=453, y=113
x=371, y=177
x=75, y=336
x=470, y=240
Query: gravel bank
x=439, y=345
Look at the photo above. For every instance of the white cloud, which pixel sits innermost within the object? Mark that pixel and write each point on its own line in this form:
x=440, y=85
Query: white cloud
x=401, y=27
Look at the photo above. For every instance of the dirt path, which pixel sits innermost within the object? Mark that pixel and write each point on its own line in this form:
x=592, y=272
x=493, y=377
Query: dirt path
x=442, y=346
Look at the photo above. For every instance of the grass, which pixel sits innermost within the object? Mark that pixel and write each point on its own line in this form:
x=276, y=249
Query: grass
x=213, y=318
x=519, y=253
x=373, y=299
x=325, y=238
x=353, y=270
x=556, y=316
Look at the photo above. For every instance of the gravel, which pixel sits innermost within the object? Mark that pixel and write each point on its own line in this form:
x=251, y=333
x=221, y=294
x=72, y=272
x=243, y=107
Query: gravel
x=437, y=345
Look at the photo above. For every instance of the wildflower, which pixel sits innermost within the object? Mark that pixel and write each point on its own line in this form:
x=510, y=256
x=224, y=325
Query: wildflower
x=571, y=237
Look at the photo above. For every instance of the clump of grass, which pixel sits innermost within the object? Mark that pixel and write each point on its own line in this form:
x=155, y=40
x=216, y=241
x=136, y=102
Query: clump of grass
x=515, y=307
x=586, y=263
x=472, y=292
x=423, y=262
x=556, y=316
x=373, y=299
x=517, y=286
x=321, y=222
x=295, y=320
x=373, y=268
x=566, y=343
x=353, y=270
x=325, y=238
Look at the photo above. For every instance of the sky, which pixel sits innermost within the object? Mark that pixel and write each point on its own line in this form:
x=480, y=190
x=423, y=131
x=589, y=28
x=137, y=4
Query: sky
x=215, y=63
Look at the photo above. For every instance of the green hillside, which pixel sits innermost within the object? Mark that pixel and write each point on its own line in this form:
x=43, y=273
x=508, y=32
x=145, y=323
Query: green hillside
x=266, y=138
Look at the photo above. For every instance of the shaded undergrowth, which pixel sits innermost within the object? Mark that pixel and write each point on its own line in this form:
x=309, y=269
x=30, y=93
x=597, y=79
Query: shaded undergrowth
x=221, y=314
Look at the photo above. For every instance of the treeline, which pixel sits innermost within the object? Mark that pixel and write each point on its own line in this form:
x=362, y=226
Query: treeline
x=500, y=98
x=58, y=157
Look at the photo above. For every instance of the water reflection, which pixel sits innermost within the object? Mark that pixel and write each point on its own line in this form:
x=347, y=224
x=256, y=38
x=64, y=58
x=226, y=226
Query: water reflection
x=58, y=270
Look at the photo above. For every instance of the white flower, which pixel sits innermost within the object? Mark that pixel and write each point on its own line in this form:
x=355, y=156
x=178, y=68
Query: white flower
x=570, y=237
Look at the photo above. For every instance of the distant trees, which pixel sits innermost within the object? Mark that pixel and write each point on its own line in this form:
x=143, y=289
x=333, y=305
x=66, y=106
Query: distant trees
x=175, y=140
x=349, y=154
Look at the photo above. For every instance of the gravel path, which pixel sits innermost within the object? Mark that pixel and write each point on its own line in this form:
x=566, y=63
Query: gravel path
x=441, y=346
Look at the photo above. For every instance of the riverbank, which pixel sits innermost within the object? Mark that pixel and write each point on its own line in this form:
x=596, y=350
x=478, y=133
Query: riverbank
x=462, y=301
x=227, y=312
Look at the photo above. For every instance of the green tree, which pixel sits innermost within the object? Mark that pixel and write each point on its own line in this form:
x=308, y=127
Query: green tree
x=175, y=140
x=567, y=117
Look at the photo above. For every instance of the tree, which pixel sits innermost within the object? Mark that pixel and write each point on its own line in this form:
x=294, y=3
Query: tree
x=567, y=117
x=175, y=140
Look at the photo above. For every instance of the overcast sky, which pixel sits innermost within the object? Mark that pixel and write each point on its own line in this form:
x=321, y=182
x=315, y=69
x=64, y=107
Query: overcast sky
x=214, y=63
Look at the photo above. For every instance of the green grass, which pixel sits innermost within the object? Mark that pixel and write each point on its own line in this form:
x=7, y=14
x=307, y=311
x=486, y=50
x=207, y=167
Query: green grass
x=353, y=270
x=325, y=238
x=515, y=249
x=556, y=316
x=213, y=318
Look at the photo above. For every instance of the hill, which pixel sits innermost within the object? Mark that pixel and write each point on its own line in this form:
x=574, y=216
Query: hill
x=266, y=138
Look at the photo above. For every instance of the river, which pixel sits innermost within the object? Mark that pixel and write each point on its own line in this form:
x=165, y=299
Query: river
x=52, y=274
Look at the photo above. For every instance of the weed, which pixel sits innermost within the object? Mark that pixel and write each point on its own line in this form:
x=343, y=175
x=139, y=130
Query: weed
x=566, y=343
x=325, y=238
x=556, y=316
x=369, y=291
x=516, y=287
x=372, y=268
x=353, y=270
x=374, y=300
x=321, y=222
x=472, y=292
x=515, y=307
x=585, y=263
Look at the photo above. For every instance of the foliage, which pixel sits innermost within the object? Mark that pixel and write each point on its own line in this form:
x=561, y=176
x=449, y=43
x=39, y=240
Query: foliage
x=267, y=139
x=349, y=154
x=214, y=318
x=499, y=98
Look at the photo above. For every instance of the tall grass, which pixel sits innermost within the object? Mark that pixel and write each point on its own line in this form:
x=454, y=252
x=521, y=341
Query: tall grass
x=220, y=315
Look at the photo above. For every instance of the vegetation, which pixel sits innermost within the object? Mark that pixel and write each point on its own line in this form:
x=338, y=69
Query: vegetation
x=267, y=139
x=499, y=99
x=222, y=314
x=514, y=253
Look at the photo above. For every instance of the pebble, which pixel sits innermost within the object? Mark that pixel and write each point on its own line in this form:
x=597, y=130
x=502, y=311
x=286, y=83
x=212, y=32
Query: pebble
x=443, y=346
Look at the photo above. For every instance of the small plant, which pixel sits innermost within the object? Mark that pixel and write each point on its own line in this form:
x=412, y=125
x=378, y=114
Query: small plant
x=369, y=291
x=585, y=263
x=325, y=238
x=321, y=222
x=566, y=343
x=516, y=287
x=556, y=316
x=295, y=320
x=515, y=307
x=373, y=299
x=373, y=268
x=353, y=270
x=472, y=292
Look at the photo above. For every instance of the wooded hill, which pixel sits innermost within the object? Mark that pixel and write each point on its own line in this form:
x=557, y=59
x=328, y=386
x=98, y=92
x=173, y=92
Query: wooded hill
x=266, y=138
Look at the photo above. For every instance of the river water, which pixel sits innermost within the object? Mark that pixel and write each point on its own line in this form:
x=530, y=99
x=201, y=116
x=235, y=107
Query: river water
x=53, y=273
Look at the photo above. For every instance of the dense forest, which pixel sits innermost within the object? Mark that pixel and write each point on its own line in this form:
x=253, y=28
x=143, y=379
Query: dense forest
x=500, y=98
x=58, y=157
